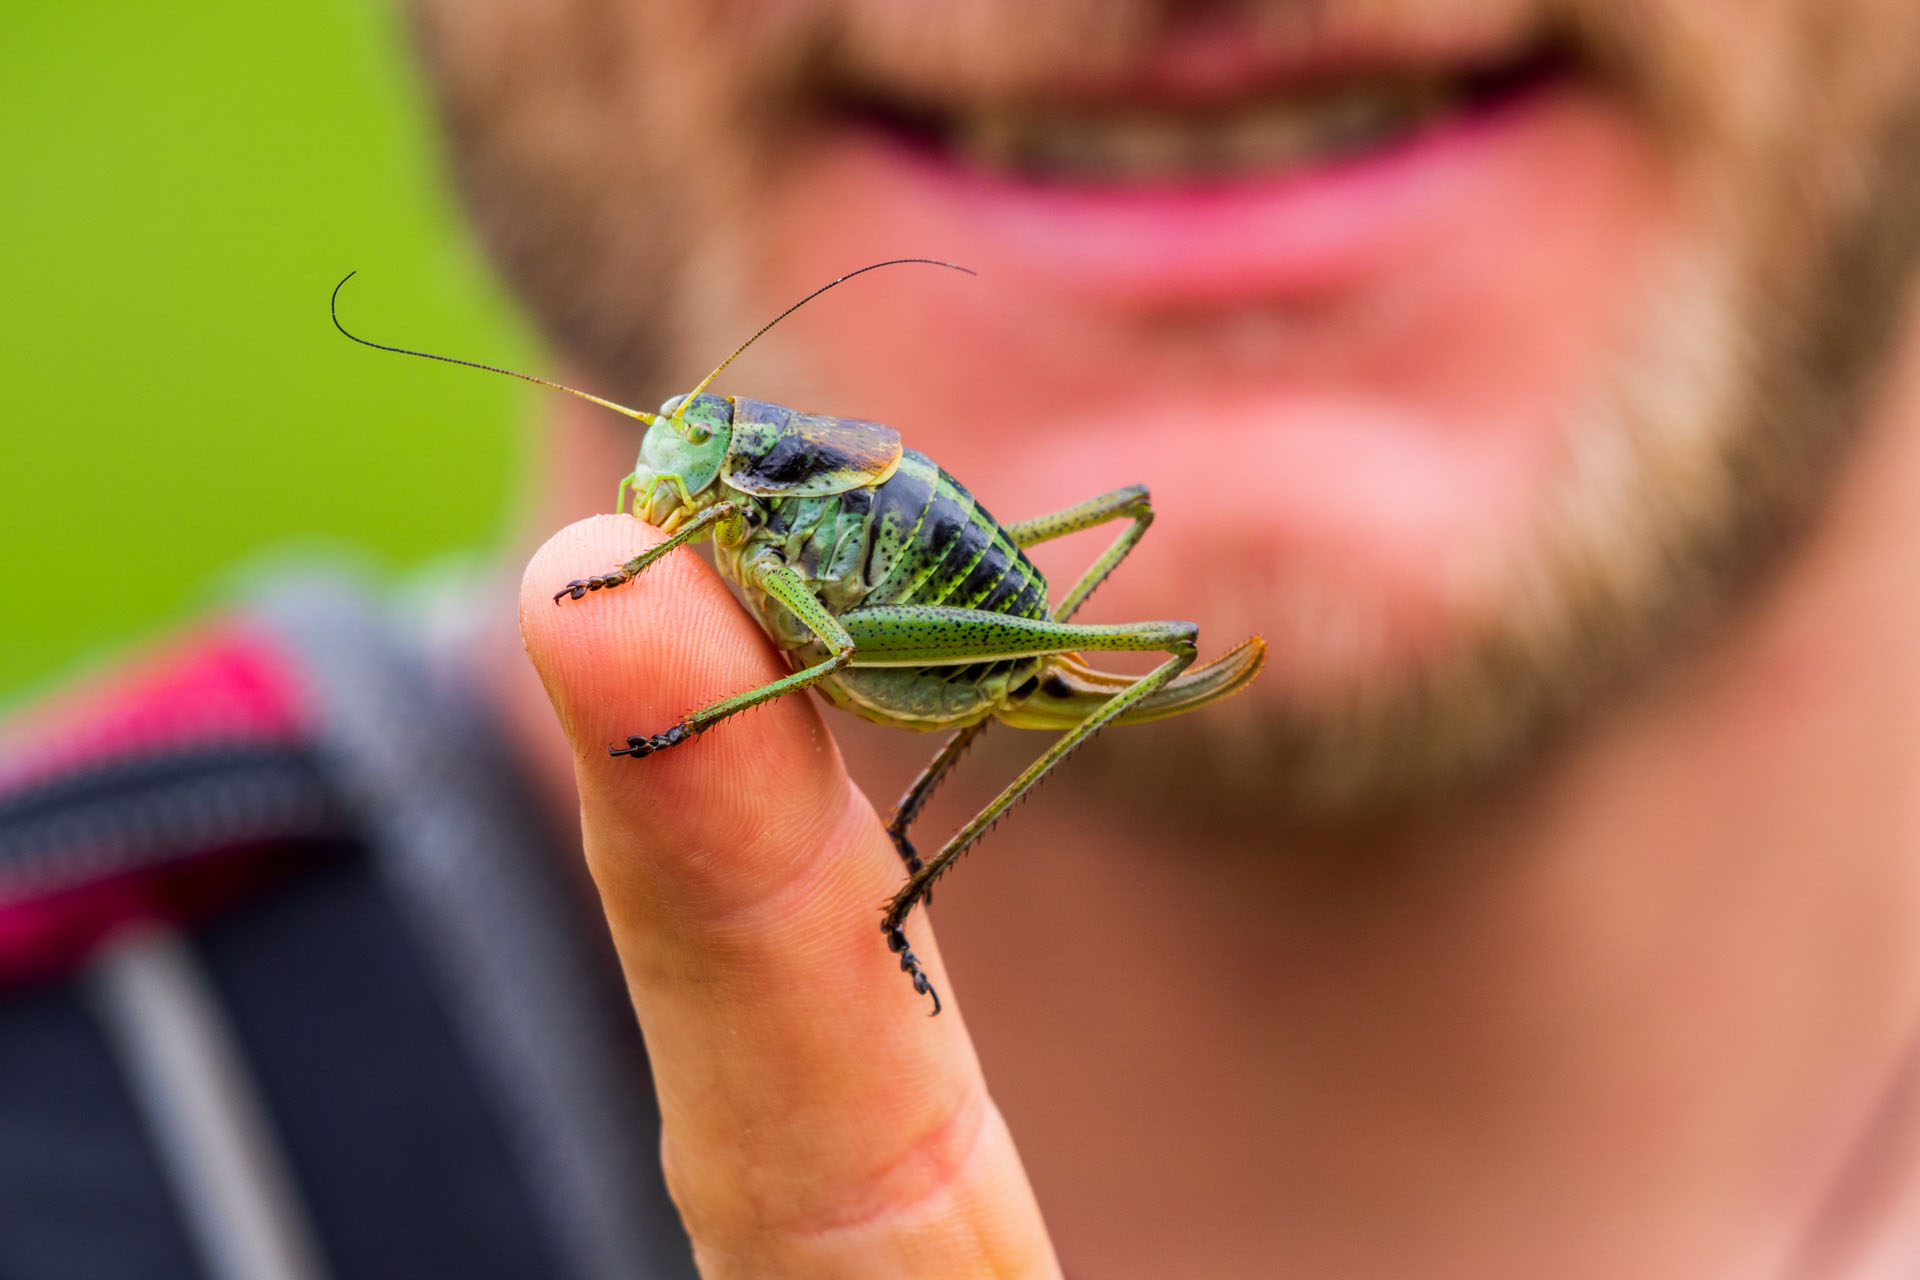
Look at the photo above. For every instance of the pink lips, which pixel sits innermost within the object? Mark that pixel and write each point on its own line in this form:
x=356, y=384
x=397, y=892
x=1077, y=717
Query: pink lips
x=1315, y=229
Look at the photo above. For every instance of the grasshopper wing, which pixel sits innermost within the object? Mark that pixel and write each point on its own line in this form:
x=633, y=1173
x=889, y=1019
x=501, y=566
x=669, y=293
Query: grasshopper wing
x=777, y=452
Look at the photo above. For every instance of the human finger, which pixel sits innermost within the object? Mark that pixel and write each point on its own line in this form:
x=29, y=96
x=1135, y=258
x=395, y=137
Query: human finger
x=815, y=1120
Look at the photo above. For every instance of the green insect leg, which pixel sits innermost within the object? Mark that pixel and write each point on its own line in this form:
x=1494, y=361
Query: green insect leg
x=1132, y=502
x=921, y=884
x=922, y=635
x=922, y=788
x=1183, y=651
x=919, y=635
x=725, y=514
x=786, y=586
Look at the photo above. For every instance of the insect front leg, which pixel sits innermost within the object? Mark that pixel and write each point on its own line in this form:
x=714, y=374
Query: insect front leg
x=779, y=581
x=724, y=514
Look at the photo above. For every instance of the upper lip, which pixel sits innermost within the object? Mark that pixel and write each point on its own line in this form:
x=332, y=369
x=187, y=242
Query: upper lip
x=939, y=115
x=1173, y=76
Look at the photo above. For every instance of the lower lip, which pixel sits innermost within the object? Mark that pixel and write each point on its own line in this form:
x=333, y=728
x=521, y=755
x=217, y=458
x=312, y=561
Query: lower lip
x=1315, y=229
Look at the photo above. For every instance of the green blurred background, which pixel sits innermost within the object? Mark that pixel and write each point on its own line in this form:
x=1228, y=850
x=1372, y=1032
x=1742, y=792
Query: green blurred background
x=187, y=182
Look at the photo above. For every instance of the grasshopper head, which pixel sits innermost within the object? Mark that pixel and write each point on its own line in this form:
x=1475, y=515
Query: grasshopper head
x=686, y=445
x=679, y=459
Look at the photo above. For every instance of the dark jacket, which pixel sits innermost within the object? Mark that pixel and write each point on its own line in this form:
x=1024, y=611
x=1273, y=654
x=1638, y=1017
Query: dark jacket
x=294, y=982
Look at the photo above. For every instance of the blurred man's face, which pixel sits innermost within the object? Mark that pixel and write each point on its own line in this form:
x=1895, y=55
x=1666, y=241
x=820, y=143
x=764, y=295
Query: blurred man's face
x=1472, y=348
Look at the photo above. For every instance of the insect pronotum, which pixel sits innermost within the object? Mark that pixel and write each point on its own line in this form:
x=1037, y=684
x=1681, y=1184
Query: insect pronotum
x=891, y=591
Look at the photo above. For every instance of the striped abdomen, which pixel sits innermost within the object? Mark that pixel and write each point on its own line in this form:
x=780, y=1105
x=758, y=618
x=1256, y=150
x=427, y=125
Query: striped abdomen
x=934, y=544
x=917, y=538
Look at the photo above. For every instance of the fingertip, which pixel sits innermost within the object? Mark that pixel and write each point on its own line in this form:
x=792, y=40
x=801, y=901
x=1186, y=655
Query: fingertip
x=564, y=642
x=636, y=649
x=635, y=659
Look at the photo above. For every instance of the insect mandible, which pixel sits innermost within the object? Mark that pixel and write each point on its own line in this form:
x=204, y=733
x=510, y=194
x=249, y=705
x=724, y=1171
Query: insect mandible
x=891, y=591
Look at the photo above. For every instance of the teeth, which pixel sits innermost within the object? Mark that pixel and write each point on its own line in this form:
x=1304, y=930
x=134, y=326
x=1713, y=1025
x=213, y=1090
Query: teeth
x=1141, y=146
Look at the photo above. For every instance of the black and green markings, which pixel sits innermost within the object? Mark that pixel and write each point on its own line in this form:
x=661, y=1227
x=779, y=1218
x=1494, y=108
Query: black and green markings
x=894, y=593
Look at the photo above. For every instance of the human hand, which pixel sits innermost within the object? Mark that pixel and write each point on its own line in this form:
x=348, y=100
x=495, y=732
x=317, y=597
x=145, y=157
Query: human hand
x=814, y=1120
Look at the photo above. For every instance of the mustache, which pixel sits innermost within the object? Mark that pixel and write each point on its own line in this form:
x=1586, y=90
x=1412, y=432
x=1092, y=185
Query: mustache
x=1024, y=51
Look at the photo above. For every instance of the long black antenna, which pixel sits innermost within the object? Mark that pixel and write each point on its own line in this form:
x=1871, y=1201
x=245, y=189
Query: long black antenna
x=761, y=331
x=333, y=308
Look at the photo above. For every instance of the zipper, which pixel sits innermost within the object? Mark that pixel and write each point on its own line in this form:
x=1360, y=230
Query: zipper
x=139, y=812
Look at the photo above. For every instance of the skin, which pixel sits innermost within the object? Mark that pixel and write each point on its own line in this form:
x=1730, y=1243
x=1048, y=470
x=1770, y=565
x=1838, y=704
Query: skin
x=1619, y=979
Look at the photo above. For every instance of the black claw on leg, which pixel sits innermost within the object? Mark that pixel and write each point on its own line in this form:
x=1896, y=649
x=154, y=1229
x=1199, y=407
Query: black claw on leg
x=910, y=964
x=639, y=745
x=580, y=586
x=908, y=854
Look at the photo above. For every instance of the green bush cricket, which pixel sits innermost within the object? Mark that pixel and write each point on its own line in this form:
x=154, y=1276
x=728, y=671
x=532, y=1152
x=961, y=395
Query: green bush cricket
x=891, y=591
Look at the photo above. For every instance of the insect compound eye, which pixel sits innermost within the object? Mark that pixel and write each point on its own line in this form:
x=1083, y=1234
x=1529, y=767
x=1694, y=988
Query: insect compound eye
x=697, y=434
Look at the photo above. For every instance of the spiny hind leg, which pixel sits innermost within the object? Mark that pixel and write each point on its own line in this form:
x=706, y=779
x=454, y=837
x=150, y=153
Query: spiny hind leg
x=921, y=790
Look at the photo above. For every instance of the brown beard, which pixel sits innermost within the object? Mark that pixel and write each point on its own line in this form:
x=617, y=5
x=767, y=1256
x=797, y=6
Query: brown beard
x=1687, y=475
x=1691, y=478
